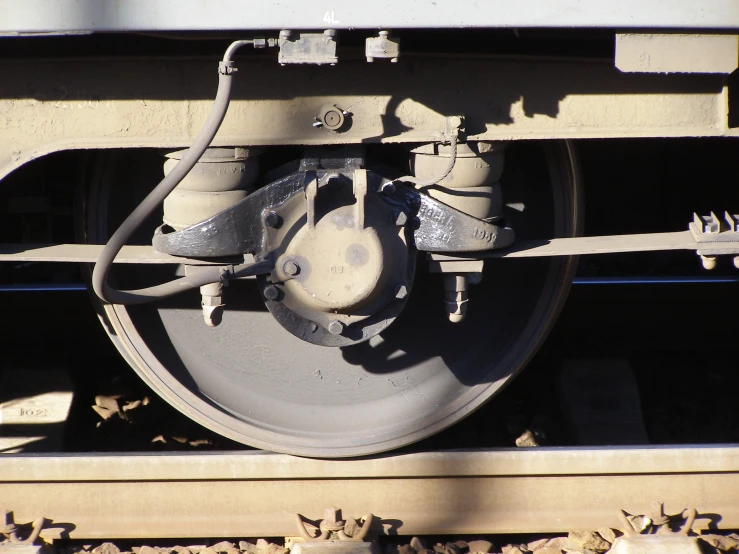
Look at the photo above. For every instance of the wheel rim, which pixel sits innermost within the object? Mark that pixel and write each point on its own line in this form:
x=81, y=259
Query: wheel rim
x=251, y=381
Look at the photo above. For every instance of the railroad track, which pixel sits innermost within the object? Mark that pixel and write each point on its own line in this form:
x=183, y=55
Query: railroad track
x=257, y=494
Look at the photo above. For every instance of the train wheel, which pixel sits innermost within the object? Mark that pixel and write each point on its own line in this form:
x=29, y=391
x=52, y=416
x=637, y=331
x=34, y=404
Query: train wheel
x=250, y=380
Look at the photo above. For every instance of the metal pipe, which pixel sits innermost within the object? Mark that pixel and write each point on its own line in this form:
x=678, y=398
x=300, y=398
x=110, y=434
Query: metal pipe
x=157, y=196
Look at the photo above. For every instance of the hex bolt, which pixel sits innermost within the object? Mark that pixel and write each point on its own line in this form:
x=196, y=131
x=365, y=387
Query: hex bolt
x=290, y=268
x=401, y=291
x=271, y=292
x=455, y=122
x=387, y=188
x=400, y=218
x=212, y=303
x=271, y=219
x=335, y=327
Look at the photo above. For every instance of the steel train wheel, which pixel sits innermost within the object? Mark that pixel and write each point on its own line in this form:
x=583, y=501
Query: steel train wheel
x=251, y=381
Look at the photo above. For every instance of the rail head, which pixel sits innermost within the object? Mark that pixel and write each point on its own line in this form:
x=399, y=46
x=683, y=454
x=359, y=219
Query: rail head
x=257, y=465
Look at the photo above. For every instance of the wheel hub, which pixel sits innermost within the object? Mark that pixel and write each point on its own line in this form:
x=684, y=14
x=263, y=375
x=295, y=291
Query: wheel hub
x=339, y=258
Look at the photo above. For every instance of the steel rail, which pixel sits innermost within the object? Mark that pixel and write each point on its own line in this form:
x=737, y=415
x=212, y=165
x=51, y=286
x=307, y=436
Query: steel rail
x=253, y=494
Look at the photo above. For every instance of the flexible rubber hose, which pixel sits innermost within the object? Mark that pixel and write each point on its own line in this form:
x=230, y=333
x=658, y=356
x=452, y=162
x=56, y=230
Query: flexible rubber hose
x=156, y=197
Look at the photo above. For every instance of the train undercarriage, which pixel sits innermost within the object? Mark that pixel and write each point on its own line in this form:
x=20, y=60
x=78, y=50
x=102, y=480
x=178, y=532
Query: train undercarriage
x=367, y=234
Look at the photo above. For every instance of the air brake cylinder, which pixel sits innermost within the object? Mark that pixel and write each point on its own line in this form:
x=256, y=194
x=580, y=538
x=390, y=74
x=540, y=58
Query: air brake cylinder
x=221, y=178
x=471, y=187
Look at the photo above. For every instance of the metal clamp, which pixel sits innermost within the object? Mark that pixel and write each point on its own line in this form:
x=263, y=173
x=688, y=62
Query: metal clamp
x=714, y=233
x=9, y=529
x=332, y=527
x=657, y=522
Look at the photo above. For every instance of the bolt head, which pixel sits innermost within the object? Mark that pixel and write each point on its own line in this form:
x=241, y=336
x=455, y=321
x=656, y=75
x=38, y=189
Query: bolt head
x=291, y=268
x=387, y=188
x=335, y=327
x=401, y=291
x=271, y=219
x=400, y=218
x=271, y=292
x=455, y=122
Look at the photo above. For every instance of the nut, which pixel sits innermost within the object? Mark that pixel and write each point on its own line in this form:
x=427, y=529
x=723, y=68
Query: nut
x=271, y=219
x=290, y=268
x=331, y=117
x=335, y=327
x=387, y=188
x=271, y=292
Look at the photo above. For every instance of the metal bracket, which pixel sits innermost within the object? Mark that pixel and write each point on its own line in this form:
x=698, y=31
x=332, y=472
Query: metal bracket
x=717, y=235
x=652, y=533
x=436, y=227
x=382, y=46
x=332, y=527
x=311, y=48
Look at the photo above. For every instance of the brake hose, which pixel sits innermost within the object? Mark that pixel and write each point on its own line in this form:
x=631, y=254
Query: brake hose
x=207, y=274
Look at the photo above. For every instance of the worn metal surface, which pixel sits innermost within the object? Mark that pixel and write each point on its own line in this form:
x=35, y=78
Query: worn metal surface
x=575, y=246
x=256, y=494
x=609, y=244
x=59, y=105
x=167, y=15
x=677, y=53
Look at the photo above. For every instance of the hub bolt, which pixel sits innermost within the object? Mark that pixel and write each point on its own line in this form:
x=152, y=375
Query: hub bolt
x=387, y=188
x=271, y=292
x=335, y=327
x=271, y=219
x=290, y=268
x=400, y=218
x=401, y=291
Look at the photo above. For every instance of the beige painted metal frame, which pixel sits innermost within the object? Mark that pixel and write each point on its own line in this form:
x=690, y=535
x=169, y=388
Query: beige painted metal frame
x=51, y=106
x=251, y=494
